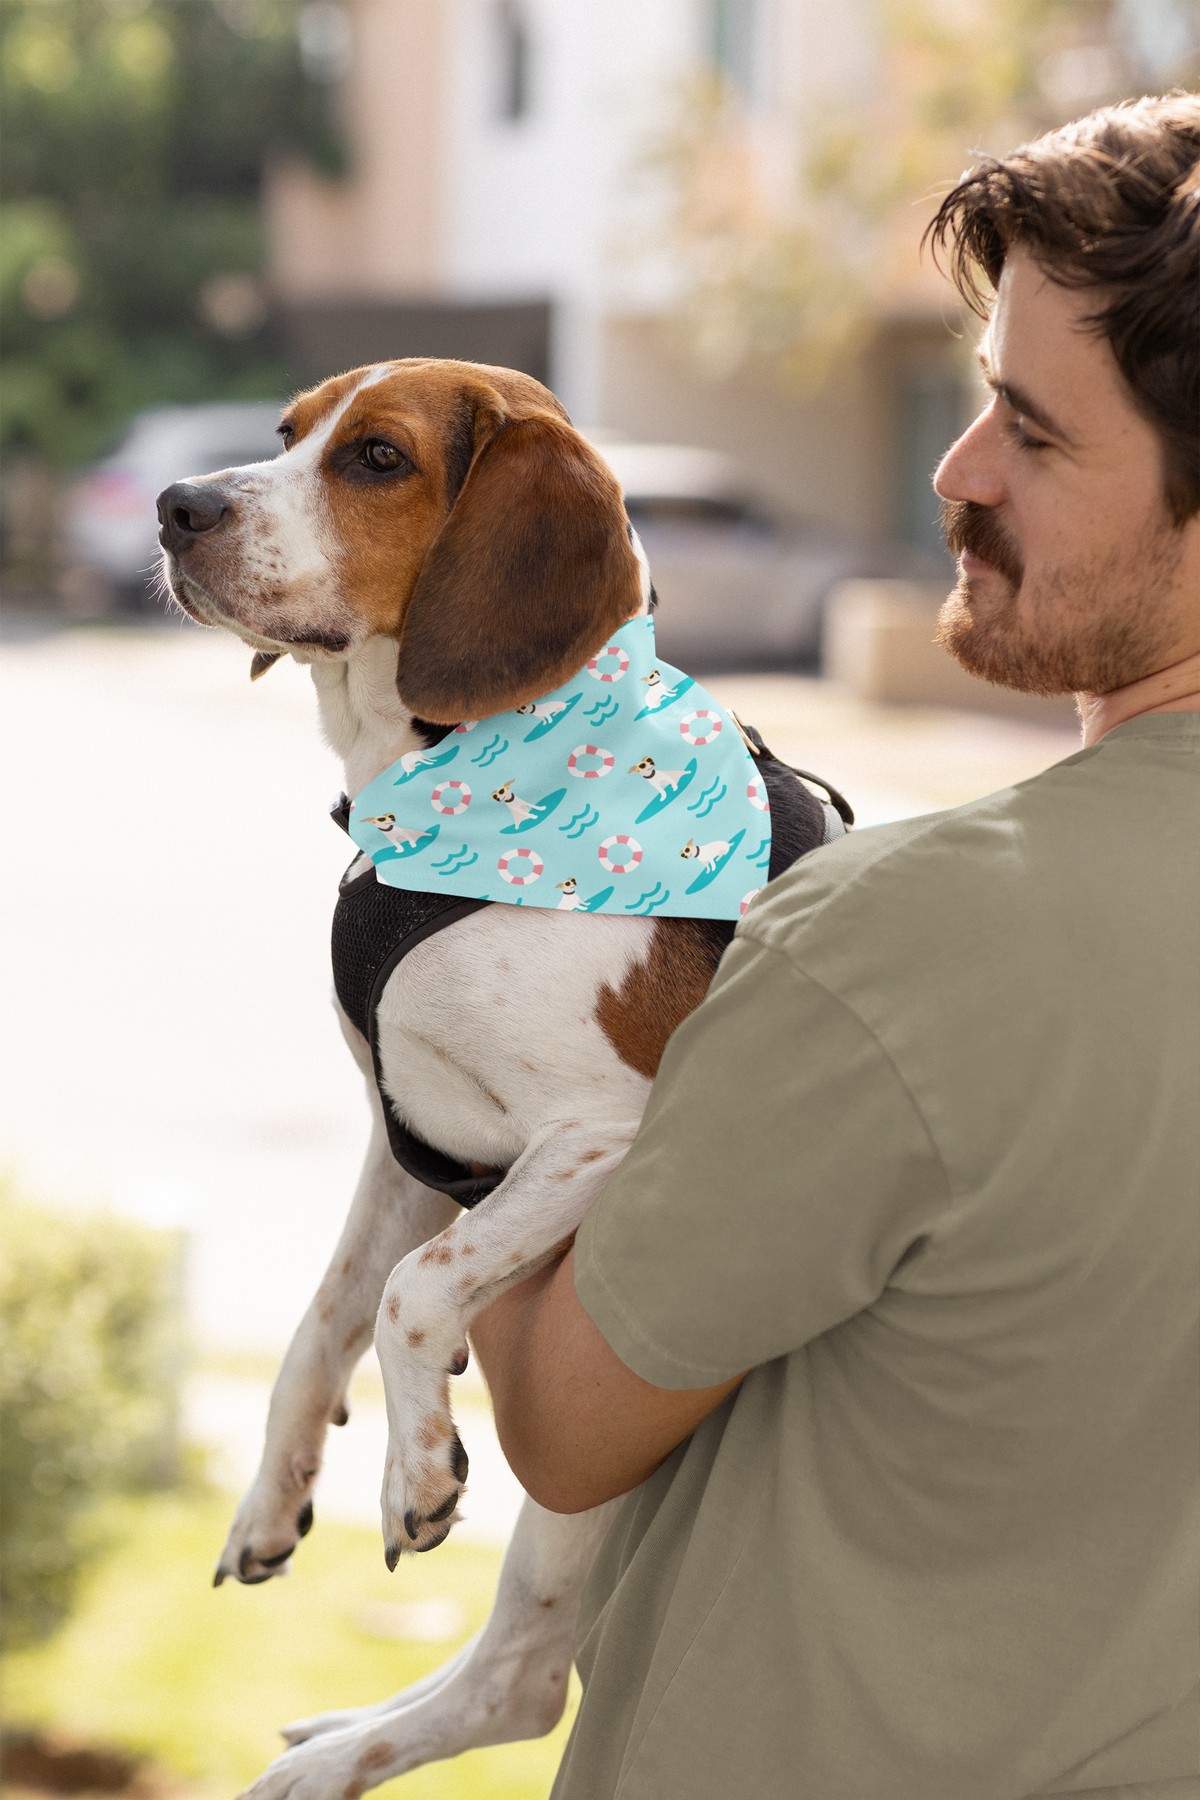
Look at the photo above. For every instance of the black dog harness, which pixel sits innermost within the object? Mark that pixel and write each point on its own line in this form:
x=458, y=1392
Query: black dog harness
x=375, y=927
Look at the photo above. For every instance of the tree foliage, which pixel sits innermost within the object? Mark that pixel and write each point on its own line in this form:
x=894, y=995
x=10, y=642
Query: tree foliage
x=136, y=134
x=89, y=1370
x=790, y=236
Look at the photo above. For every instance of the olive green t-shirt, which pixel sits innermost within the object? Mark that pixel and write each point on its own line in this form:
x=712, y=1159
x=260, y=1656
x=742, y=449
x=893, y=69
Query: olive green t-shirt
x=925, y=1162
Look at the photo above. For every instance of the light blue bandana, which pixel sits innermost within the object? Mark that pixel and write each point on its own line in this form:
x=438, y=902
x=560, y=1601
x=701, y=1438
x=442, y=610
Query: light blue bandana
x=627, y=790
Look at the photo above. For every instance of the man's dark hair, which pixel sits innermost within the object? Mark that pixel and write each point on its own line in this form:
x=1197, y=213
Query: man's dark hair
x=1112, y=201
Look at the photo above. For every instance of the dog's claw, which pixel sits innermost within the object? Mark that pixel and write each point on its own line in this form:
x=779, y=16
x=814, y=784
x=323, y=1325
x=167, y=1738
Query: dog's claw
x=244, y=1561
x=443, y=1511
x=342, y=1416
x=218, y=1577
x=459, y=1360
x=434, y=1542
x=304, y=1518
x=273, y=1562
x=458, y=1459
x=410, y=1524
x=391, y=1556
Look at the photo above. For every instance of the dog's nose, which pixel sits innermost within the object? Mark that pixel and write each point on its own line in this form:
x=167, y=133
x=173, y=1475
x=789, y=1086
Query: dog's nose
x=187, y=510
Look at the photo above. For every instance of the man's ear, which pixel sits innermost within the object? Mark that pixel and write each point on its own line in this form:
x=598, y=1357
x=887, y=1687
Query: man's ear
x=531, y=574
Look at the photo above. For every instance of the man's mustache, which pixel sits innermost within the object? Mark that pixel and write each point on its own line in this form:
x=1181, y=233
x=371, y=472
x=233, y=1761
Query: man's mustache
x=977, y=530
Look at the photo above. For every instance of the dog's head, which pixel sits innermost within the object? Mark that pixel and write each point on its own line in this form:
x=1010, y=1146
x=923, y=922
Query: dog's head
x=447, y=505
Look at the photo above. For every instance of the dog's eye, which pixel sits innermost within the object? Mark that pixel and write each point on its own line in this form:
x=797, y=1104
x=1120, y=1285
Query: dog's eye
x=287, y=433
x=383, y=456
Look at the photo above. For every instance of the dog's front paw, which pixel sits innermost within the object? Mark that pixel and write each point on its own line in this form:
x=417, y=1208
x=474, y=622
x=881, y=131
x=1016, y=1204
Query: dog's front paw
x=423, y=1480
x=337, y=1766
x=266, y=1528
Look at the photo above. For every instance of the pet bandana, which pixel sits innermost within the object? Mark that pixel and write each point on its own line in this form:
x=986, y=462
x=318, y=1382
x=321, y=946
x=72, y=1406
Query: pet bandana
x=627, y=790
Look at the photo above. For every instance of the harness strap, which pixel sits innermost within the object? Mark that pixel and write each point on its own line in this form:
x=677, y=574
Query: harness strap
x=374, y=928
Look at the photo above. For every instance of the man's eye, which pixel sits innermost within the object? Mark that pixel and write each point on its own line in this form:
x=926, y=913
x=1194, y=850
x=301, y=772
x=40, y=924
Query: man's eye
x=1022, y=439
x=382, y=456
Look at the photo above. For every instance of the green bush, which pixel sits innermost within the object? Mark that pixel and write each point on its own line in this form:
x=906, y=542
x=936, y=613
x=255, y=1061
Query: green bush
x=89, y=1378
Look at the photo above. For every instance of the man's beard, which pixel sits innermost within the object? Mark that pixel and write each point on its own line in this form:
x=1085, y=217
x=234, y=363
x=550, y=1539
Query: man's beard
x=1083, y=627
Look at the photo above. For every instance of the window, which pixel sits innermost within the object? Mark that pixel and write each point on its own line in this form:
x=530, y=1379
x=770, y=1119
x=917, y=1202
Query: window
x=931, y=411
x=735, y=42
x=512, y=60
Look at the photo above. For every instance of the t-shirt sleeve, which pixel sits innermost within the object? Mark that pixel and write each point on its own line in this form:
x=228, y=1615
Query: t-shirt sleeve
x=781, y=1172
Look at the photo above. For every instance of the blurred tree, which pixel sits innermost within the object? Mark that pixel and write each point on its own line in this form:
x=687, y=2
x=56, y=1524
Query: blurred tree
x=89, y=1374
x=789, y=238
x=130, y=249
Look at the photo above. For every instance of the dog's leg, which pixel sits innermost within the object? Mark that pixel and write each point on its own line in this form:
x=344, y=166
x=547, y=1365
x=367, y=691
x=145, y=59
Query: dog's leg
x=390, y=1215
x=509, y=1682
x=432, y=1296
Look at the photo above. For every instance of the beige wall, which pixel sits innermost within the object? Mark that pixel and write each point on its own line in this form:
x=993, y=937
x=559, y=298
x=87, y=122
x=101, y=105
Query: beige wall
x=375, y=236
x=826, y=457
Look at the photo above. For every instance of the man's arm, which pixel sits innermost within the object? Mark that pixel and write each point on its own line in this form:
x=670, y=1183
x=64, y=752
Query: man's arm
x=576, y=1425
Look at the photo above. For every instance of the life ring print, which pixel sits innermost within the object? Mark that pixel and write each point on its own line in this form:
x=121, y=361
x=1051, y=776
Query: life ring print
x=747, y=898
x=522, y=867
x=756, y=794
x=608, y=664
x=590, y=753
x=700, y=727
x=621, y=853
x=450, y=797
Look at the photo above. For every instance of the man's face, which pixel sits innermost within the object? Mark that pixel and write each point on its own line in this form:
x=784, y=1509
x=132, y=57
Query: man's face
x=1072, y=576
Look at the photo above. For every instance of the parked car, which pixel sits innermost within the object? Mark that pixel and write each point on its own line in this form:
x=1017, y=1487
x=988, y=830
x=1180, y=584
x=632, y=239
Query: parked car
x=737, y=586
x=112, y=525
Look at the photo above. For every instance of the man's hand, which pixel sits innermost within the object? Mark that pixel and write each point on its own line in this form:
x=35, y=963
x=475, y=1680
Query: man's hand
x=577, y=1426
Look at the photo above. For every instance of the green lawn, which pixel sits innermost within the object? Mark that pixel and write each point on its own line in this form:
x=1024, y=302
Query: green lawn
x=199, y=1679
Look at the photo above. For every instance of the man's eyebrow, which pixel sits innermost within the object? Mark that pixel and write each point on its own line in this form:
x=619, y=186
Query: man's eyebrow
x=1022, y=403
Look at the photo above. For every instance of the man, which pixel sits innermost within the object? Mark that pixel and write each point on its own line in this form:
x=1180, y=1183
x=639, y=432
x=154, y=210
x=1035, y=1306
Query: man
x=924, y=1161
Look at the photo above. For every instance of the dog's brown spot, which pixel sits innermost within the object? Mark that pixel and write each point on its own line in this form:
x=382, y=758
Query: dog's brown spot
x=432, y=1431
x=377, y=1757
x=347, y=1265
x=466, y=1250
x=516, y=1257
x=437, y=1252
x=325, y=1311
x=547, y=1604
x=591, y=1156
x=415, y=1339
x=393, y=1308
x=567, y=1174
x=658, y=994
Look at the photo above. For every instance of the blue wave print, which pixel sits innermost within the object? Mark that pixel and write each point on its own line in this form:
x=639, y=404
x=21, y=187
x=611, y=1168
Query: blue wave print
x=581, y=823
x=490, y=752
x=704, y=805
x=604, y=709
x=764, y=849
x=456, y=862
x=650, y=900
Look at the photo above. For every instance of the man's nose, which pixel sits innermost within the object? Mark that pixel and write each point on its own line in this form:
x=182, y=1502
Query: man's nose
x=188, y=510
x=969, y=470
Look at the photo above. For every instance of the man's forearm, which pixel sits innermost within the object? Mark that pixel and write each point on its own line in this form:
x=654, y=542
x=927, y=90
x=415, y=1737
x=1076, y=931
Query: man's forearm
x=577, y=1426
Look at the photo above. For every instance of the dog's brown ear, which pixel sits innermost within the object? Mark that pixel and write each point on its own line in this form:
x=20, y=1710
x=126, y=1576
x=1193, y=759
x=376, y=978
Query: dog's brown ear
x=531, y=573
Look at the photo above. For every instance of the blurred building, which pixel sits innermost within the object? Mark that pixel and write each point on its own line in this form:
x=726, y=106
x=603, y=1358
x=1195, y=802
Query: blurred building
x=494, y=211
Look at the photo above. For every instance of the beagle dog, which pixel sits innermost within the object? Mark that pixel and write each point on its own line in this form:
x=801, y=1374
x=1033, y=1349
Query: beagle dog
x=439, y=545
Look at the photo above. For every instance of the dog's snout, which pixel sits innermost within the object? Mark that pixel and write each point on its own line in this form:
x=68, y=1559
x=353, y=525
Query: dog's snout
x=187, y=510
